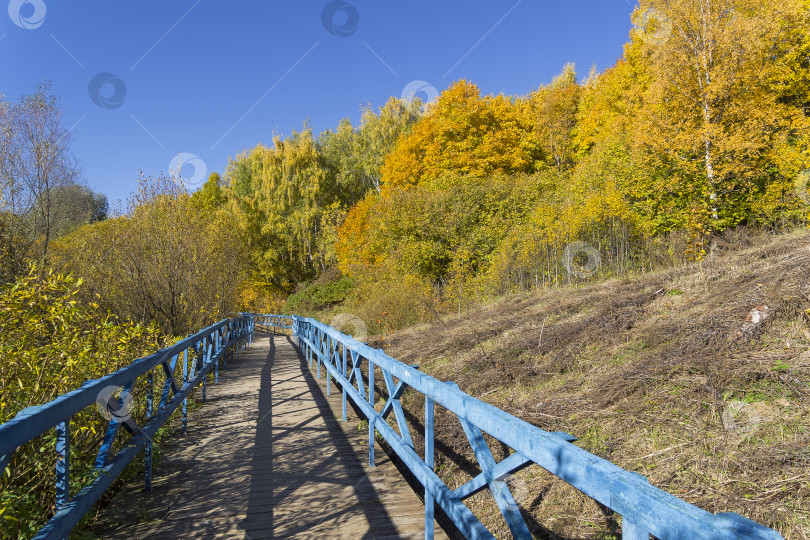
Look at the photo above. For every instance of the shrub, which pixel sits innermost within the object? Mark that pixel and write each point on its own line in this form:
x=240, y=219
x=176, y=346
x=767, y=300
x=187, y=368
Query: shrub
x=51, y=343
x=319, y=296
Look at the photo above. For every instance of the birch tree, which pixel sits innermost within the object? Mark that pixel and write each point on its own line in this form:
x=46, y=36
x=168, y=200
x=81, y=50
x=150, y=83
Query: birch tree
x=709, y=113
x=35, y=160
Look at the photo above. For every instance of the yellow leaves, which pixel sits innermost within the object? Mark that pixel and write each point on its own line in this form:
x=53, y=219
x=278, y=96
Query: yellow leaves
x=463, y=133
x=713, y=96
x=352, y=247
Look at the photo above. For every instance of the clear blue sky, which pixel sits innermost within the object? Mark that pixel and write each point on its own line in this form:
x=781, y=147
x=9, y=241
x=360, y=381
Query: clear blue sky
x=212, y=78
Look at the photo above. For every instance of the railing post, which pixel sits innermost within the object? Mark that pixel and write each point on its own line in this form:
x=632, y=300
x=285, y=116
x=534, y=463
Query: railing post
x=218, y=346
x=343, y=372
x=371, y=419
x=632, y=531
x=147, y=455
x=318, y=356
x=203, y=366
x=228, y=338
x=429, y=460
x=62, y=463
x=185, y=382
x=211, y=354
x=329, y=350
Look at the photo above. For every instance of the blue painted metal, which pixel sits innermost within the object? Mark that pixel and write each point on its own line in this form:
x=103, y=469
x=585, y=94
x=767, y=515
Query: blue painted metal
x=170, y=384
x=217, y=342
x=429, y=461
x=373, y=417
x=318, y=373
x=507, y=466
x=34, y=421
x=632, y=531
x=500, y=491
x=62, y=463
x=150, y=409
x=185, y=382
x=343, y=372
x=331, y=346
x=118, y=418
x=393, y=404
x=205, y=378
x=465, y=520
x=216, y=364
x=645, y=508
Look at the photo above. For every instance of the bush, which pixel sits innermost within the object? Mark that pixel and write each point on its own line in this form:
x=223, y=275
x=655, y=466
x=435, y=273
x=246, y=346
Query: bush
x=387, y=302
x=50, y=343
x=319, y=296
x=171, y=259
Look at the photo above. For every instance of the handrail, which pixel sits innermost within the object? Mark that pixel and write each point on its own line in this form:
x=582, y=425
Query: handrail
x=210, y=346
x=276, y=321
x=644, y=508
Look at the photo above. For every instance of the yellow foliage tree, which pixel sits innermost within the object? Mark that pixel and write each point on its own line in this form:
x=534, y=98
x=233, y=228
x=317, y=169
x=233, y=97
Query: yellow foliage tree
x=712, y=108
x=171, y=259
x=464, y=134
x=554, y=110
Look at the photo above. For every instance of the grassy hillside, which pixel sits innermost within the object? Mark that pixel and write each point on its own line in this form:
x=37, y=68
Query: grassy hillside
x=661, y=374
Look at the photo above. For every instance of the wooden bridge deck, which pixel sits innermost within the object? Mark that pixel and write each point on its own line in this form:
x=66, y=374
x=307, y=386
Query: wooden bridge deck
x=267, y=457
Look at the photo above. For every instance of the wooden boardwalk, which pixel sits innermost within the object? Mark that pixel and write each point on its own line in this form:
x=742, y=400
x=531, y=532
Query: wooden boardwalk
x=267, y=457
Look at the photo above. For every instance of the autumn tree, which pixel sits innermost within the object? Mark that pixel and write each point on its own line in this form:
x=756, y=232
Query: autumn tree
x=710, y=114
x=212, y=194
x=171, y=259
x=279, y=195
x=464, y=134
x=72, y=206
x=36, y=161
x=379, y=133
x=554, y=111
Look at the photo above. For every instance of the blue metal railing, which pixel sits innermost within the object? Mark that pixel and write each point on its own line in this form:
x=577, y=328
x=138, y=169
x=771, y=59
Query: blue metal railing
x=209, y=346
x=266, y=322
x=644, y=508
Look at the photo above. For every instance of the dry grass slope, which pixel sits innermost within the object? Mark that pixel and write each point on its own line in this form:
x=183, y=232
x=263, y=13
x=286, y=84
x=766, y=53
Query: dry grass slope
x=660, y=374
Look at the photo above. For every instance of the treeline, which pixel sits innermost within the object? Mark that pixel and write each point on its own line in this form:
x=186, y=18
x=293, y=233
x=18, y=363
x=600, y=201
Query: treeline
x=701, y=126
x=291, y=198
x=172, y=258
x=169, y=257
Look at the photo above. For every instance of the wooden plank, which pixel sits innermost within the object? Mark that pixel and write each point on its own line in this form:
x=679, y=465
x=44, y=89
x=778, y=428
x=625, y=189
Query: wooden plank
x=269, y=458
